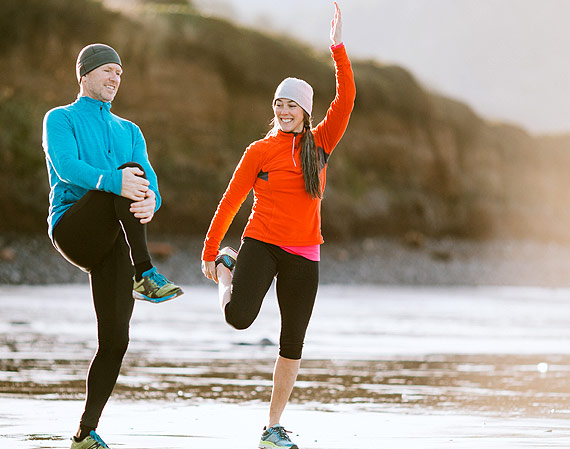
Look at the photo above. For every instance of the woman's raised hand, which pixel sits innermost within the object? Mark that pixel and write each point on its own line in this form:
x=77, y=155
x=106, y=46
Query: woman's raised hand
x=336, y=26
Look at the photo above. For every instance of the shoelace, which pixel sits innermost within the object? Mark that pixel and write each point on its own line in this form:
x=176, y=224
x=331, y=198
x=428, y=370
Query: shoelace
x=98, y=441
x=158, y=279
x=282, y=433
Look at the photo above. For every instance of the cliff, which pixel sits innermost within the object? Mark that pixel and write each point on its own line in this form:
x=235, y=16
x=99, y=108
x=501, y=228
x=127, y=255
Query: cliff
x=200, y=89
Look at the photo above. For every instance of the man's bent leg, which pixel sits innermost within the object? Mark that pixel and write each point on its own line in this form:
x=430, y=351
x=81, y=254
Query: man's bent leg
x=135, y=233
x=134, y=230
x=149, y=284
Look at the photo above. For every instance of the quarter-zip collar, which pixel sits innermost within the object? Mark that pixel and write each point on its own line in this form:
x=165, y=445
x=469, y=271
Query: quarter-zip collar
x=102, y=110
x=295, y=141
x=92, y=104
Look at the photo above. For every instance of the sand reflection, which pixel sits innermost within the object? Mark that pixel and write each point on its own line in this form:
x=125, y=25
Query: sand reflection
x=493, y=350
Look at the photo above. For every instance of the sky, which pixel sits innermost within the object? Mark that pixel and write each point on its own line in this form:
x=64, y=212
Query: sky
x=508, y=59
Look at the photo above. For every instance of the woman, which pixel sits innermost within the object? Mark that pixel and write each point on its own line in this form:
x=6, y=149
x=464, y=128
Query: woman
x=287, y=171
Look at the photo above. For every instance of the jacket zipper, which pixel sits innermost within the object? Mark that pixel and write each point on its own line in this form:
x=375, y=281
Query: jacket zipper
x=293, y=150
x=108, y=126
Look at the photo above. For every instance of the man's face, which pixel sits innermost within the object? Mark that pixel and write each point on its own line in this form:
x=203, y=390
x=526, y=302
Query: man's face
x=103, y=82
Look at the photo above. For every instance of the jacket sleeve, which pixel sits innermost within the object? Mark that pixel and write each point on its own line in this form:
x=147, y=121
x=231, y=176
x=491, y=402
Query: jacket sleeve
x=331, y=129
x=242, y=182
x=140, y=155
x=62, y=152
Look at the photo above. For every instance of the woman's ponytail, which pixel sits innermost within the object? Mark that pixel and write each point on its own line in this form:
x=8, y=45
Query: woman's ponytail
x=309, y=161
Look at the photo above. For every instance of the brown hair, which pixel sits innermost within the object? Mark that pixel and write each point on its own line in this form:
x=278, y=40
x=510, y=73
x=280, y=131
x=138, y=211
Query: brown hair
x=310, y=161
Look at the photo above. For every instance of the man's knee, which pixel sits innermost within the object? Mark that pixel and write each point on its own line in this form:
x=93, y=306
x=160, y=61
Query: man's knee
x=134, y=165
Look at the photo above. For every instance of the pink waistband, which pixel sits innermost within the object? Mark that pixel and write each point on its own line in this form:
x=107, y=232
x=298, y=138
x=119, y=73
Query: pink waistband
x=311, y=252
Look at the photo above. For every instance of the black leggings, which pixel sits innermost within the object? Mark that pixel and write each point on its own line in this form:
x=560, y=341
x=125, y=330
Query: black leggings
x=100, y=235
x=297, y=282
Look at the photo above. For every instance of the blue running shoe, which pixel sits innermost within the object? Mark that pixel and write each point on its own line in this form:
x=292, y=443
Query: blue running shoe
x=276, y=438
x=92, y=441
x=154, y=287
x=227, y=257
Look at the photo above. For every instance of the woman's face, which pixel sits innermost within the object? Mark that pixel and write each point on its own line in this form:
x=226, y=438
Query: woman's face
x=289, y=115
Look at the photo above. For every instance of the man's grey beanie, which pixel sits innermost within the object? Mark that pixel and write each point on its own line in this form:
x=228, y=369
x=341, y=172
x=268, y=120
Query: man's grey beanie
x=93, y=56
x=297, y=90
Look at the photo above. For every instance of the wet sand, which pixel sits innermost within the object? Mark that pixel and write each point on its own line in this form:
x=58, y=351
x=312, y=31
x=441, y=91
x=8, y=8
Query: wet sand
x=168, y=425
x=383, y=367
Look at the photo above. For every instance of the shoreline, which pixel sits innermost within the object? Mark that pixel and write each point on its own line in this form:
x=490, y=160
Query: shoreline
x=32, y=260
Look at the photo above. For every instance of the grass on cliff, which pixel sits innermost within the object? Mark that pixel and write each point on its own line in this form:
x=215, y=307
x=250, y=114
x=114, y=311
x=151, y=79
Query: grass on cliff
x=200, y=88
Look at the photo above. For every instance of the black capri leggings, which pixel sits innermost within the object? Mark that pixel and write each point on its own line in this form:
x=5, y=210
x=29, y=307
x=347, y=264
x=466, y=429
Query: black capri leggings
x=297, y=282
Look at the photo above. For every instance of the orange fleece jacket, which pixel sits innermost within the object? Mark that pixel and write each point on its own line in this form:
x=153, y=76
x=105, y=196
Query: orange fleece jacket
x=283, y=213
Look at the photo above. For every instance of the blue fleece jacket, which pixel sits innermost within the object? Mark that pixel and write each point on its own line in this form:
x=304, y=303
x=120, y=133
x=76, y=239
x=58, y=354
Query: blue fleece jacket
x=84, y=144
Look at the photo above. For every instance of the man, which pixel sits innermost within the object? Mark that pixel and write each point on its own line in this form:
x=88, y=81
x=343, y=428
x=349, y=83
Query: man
x=103, y=193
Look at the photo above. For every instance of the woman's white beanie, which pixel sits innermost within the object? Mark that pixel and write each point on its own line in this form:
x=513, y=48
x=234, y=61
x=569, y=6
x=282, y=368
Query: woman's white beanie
x=297, y=90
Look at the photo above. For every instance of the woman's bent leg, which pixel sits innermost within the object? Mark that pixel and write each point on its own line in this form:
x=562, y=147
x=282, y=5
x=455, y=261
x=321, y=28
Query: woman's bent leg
x=253, y=274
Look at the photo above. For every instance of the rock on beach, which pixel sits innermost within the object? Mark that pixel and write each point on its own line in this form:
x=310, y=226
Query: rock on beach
x=412, y=260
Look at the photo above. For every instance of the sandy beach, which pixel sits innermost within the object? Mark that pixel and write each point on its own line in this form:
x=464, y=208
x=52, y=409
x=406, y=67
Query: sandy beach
x=167, y=425
x=384, y=367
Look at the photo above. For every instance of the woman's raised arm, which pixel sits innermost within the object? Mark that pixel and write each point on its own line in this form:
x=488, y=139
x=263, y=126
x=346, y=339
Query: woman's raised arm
x=336, y=26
